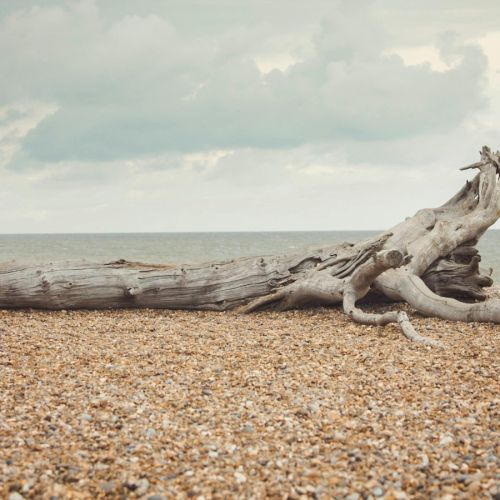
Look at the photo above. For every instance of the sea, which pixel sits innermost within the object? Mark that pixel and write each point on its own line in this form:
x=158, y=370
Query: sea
x=177, y=248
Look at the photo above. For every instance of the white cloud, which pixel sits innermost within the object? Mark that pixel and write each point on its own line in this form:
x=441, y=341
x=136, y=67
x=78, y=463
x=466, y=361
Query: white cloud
x=17, y=119
x=422, y=55
x=239, y=115
x=133, y=85
x=269, y=62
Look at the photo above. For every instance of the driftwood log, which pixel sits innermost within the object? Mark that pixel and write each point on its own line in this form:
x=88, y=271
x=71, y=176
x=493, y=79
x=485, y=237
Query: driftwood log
x=429, y=261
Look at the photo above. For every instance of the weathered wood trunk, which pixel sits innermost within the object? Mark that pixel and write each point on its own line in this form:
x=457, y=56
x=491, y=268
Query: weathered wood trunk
x=426, y=260
x=212, y=286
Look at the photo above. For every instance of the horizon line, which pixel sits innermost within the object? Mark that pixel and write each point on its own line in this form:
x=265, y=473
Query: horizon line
x=197, y=232
x=207, y=232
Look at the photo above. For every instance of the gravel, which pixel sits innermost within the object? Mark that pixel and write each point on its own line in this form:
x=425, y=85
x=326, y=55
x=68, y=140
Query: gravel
x=304, y=404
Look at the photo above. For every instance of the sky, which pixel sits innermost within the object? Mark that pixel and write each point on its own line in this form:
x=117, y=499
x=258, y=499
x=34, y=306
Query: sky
x=237, y=115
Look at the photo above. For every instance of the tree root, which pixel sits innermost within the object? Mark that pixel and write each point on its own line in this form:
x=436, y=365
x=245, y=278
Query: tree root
x=410, y=333
x=360, y=283
x=414, y=291
x=317, y=288
x=322, y=285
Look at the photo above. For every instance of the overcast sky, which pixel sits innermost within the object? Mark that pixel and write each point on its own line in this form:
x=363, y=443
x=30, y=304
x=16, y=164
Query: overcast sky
x=220, y=115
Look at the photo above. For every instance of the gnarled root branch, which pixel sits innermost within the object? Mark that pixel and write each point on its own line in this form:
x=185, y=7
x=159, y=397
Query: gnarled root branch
x=359, y=285
x=317, y=288
x=413, y=290
x=410, y=333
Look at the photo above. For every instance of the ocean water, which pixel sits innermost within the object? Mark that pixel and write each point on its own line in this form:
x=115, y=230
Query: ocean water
x=189, y=247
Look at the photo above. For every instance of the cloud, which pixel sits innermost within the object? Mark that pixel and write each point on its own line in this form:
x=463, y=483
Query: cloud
x=133, y=85
x=16, y=121
x=235, y=115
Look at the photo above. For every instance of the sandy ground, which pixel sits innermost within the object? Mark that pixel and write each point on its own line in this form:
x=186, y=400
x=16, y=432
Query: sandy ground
x=162, y=404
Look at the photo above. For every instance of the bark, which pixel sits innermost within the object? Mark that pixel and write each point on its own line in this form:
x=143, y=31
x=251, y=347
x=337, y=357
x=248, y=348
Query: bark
x=427, y=260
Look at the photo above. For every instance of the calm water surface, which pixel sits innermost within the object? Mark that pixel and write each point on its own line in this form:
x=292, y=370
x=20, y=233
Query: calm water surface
x=189, y=247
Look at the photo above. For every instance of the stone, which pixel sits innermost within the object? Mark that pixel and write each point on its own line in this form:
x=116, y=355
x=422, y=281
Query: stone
x=446, y=440
x=107, y=486
x=343, y=446
x=240, y=478
x=142, y=486
x=352, y=496
x=313, y=407
x=15, y=496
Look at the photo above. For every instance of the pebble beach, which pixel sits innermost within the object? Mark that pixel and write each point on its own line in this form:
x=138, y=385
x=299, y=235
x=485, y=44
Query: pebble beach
x=302, y=404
